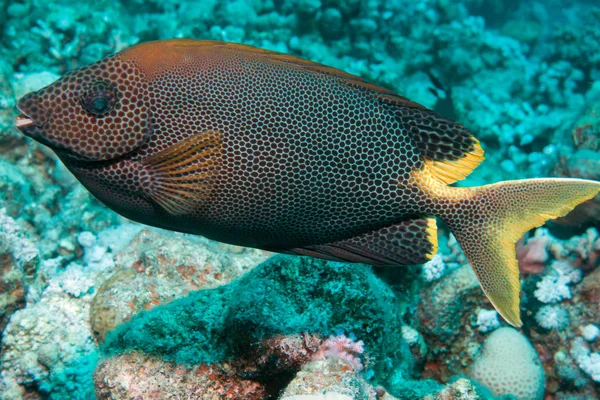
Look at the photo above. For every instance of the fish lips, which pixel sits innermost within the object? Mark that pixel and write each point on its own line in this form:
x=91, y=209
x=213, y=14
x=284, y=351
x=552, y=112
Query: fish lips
x=33, y=117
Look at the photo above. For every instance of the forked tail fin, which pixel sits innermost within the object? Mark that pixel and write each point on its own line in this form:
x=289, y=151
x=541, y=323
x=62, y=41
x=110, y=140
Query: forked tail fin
x=487, y=221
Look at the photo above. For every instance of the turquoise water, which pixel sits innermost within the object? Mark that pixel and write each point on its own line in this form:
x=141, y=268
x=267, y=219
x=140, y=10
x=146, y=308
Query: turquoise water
x=93, y=304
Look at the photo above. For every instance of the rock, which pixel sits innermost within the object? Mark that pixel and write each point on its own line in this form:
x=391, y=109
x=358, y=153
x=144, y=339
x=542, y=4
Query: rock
x=12, y=288
x=138, y=376
x=49, y=346
x=448, y=315
x=330, y=379
x=18, y=262
x=157, y=268
x=462, y=389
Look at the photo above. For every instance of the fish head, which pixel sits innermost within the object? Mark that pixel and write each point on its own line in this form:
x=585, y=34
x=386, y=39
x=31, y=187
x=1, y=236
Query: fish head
x=98, y=112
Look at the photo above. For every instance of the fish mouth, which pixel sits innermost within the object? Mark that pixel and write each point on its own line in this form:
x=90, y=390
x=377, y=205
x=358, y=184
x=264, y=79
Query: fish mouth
x=30, y=127
x=32, y=113
x=27, y=126
x=23, y=122
x=32, y=117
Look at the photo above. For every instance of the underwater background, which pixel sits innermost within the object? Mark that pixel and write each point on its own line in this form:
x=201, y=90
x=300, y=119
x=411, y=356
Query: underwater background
x=95, y=306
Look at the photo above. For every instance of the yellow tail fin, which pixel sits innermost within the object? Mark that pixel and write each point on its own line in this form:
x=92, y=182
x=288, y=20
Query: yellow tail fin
x=488, y=220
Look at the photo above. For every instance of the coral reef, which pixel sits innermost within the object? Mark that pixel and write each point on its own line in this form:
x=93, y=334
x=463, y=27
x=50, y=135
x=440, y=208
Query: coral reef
x=559, y=309
x=76, y=304
x=330, y=378
x=204, y=326
x=462, y=389
x=50, y=345
x=135, y=375
x=18, y=261
x=448, y=323
x=156, y=268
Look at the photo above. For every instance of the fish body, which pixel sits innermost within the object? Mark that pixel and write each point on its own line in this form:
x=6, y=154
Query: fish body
x=267, y=150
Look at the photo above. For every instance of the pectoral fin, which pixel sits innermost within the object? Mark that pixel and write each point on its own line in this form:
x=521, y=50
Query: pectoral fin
x=182, y=175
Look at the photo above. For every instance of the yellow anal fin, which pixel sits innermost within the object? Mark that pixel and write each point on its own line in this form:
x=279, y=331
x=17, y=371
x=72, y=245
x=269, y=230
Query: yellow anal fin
x=487, y=222
x=432, y=236
x=182, y=175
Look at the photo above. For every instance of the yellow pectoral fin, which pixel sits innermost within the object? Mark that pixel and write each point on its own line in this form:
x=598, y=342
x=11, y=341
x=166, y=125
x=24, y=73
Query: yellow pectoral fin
x=182, y=174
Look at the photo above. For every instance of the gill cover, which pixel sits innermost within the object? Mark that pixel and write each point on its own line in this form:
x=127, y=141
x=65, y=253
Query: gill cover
x=99, y=112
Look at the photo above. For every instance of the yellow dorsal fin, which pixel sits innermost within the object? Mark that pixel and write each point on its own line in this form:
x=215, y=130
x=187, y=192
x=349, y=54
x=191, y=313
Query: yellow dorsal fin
x=450, y=171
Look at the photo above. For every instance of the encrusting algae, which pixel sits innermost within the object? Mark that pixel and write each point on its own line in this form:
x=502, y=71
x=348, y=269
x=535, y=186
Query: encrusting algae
x=267, y=150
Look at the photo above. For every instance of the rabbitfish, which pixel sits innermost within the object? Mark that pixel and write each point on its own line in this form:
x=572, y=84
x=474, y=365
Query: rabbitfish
x=267, y=150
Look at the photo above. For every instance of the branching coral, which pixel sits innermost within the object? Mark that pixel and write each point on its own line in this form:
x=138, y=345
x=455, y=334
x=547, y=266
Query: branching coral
x=343, y=348
x=552, y=317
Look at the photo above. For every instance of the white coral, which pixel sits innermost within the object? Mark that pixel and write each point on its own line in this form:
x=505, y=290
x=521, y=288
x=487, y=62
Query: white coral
x=552, y=317
x=591, y=365
x=22, y=249
x=487, y=320
x=434, y=268
x=552, y=289
x=588, y=362
x=591, y=332
x=86, y=239
x=74, y=281
x=410, y=335
x=565, y=269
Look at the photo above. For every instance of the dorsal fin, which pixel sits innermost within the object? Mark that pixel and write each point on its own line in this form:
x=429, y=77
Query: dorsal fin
x=449, y=150
x=182, y=174
x=450, y=171
x=167, y=52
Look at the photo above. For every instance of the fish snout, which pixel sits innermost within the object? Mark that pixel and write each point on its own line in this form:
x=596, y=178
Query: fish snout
x=33, y=115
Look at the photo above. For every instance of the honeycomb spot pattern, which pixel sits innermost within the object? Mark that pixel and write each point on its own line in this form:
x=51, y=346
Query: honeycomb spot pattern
x=306, y=156
x=408, y=242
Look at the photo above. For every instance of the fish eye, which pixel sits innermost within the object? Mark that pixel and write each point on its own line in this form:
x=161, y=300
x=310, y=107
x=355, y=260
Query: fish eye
x=99, y=98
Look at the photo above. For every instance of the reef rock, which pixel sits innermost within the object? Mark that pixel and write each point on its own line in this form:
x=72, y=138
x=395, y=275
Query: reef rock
x=138, y=376
x=157, y=268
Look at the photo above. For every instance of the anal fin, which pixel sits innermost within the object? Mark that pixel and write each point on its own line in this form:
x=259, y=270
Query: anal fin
x=181, y=176
x=408, y=242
